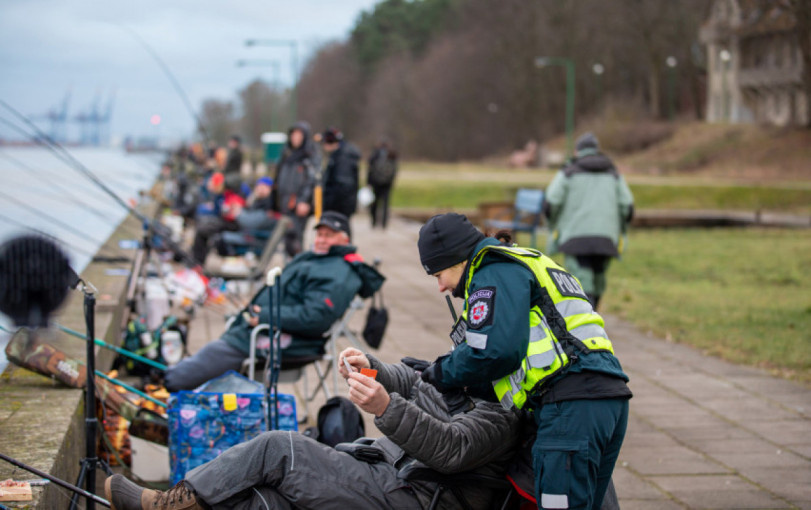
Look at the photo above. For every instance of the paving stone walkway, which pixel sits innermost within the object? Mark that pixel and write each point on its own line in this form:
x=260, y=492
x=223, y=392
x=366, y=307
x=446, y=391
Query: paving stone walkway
x=703, y=434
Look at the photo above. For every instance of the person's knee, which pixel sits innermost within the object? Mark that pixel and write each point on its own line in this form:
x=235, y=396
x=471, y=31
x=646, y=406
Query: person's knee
x=276, y=442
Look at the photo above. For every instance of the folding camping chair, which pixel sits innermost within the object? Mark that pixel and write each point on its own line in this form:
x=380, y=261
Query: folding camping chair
x=255, y=274
x=526, y=214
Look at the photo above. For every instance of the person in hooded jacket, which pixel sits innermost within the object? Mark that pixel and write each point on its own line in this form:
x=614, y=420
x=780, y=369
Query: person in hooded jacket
x=317, y=287
x=341, y=173
x=589, y=207
x=295, y=180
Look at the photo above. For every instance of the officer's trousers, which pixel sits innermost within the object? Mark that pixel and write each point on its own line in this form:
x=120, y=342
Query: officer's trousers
x=575, y=451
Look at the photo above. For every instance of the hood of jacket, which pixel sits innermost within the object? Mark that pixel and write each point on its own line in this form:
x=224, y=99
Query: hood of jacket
x=371, y=279
x=592, y=163
x=307, y=147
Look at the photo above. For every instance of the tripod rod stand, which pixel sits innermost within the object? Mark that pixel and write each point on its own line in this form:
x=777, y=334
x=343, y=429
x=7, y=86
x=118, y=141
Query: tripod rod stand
x=90, y=462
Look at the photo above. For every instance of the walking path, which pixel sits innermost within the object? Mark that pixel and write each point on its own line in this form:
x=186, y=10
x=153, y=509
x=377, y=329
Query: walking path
x=703, y=433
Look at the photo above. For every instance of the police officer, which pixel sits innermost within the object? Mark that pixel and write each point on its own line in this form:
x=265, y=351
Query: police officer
x=529, y=331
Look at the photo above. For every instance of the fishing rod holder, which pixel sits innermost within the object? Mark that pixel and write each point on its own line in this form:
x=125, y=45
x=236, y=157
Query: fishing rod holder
x=90, y=462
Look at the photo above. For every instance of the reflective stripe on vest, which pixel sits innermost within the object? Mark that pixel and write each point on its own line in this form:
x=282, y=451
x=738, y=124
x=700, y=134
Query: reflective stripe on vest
x=546, y=355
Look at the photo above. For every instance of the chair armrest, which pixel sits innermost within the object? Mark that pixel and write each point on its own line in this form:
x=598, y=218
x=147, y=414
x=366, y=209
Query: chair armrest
x=414, y=471
x=252, y=348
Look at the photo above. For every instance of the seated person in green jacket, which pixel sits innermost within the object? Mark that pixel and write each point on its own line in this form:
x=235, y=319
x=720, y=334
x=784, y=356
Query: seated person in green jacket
x=317, y=287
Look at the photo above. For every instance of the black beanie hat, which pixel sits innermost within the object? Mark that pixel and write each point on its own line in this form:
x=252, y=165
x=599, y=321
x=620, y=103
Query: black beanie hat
x=446, y=240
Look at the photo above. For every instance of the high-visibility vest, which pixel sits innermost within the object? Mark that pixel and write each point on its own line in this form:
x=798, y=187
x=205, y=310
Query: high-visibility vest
x=561, y=323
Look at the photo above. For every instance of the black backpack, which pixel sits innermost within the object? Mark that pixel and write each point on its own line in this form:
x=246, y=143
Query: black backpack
x=382, y=170
x=339, y=421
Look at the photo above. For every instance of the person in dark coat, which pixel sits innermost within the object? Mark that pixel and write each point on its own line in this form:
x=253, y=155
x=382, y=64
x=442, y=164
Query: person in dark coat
x=341, y=173
x=317, y=287
x=286, y=470
x=294, y=183
x=233, y=165
x=381, y=174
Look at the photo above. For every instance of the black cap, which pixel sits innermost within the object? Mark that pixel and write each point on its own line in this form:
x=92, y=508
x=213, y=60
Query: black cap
x=332, y=135
x=446, y=240
x=336, y=221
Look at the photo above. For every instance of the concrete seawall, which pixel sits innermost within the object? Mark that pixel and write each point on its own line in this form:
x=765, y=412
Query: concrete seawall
x=42, y=420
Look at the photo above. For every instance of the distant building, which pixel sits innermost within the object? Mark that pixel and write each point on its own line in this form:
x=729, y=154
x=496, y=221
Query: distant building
x=754, y=64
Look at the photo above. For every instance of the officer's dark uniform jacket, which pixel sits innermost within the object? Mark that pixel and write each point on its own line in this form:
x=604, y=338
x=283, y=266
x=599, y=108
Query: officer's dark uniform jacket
x=316, y=291
x=418, y=425
x=341, y=180
x=496, y=343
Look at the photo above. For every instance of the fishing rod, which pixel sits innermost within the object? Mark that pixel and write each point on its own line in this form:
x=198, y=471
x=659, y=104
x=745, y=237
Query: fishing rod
x=130, y=388
x=61, y=153
x=183, y=96
x=58, y=150
x=119, y=350
x=101, y=374
x=55, y=480
x=67, y=194
x=48, y=217
x=46, y=234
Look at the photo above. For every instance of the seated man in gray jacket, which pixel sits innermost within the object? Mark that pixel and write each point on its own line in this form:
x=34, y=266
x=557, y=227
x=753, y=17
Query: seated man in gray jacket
x=285, y=470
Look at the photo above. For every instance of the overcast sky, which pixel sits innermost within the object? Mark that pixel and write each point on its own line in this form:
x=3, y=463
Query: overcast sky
x=50, y=47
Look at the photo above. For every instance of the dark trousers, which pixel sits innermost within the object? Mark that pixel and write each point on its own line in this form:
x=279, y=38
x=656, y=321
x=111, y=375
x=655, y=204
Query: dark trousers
x=294, y=237
x=590, y=270
x=380, y=206
x=204, y=228
x=575, y=451
x=214, y=359
x=285, y=470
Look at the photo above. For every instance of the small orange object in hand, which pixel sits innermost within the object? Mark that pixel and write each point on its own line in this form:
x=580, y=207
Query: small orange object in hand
x=369, y=372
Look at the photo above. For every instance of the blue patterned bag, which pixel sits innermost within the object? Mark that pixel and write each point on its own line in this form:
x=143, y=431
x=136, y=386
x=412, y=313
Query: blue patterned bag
x=203, y=424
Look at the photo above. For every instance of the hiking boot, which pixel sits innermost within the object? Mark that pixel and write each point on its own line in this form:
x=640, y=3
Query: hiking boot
x=126, y=495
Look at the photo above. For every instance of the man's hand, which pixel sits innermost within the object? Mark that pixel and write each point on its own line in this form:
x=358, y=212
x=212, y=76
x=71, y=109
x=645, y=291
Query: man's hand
x=368, y=394
x=302, y=209
x=253, y=320
x=355, y=358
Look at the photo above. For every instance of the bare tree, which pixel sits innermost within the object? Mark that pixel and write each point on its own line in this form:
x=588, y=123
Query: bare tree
x=218, y=118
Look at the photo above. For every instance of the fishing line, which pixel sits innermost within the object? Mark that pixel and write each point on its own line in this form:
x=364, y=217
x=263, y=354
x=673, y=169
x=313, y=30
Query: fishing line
x=73, y=247
x=61, y=153
x=67, y=195
x=172, y=78
x=67, y=158
x=61, y=224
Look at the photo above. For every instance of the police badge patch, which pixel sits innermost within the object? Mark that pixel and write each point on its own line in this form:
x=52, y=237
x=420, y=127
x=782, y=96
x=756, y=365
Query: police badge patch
x=480, y=307
x=567, y=284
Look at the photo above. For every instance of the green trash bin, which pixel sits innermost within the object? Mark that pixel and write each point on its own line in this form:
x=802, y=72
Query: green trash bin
x=274, y=143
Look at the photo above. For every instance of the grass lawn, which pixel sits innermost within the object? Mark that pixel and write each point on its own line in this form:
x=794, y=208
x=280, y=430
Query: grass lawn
x=741, y=294
x=464, y=186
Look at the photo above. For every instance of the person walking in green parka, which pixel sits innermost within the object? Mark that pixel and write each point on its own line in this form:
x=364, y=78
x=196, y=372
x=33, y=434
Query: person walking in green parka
x=589, y=206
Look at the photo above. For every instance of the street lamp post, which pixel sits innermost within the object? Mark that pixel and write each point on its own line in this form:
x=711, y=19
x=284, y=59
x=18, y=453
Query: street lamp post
x=598, y=70
x=725, y=58
x=293, y=45
x=671, y=86
x=569, y=65
x=275, y=65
